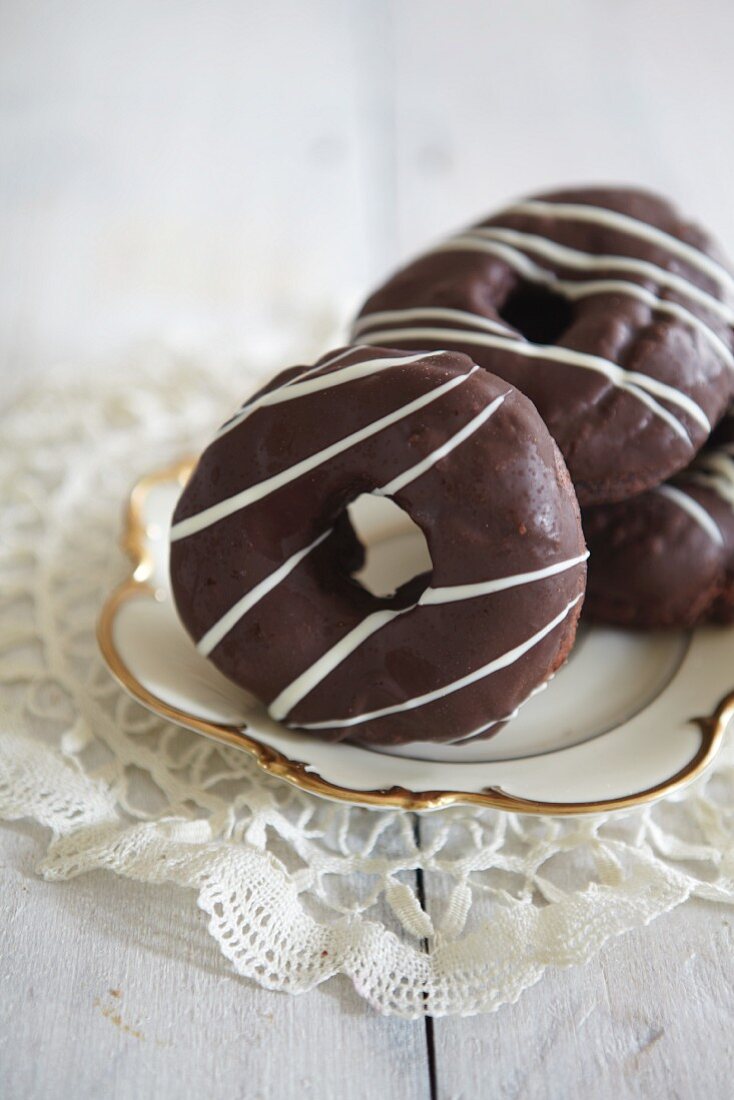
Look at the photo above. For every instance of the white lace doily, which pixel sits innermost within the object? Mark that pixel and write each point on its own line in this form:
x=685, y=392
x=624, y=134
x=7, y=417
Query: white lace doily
x=455, y=913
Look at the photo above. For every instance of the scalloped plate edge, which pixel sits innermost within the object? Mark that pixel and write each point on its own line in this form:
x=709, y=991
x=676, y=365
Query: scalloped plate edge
x=299, y=773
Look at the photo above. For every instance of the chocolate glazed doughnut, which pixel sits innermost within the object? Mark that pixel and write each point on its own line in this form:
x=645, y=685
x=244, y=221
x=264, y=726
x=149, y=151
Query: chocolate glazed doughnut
x=666, y=557
x=262, y=550
x=608, y=310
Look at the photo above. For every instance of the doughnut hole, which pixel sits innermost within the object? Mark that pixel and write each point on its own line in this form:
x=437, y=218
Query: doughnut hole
x=397, y=564
x=537, y=312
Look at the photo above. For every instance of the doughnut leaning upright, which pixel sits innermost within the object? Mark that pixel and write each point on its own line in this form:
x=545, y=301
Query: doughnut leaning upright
x=613, y=314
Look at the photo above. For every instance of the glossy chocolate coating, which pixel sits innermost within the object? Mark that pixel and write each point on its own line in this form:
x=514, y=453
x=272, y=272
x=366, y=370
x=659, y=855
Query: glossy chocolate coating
x=499, y=504
x=614, y=443
x=653, y=564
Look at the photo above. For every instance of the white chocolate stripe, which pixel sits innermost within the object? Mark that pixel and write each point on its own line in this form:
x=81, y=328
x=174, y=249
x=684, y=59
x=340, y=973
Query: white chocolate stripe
x=222, y=627
x=429, y=313
x=446, y=594
x=507, y=718
x=632, y=381
x=320, y=669
x=568, y=289
x=500, y=242
x=633, y=227
x=446, y=448
x=711, y=482
x=659, y=305
x=454, y=592
x=483, y=729
x=248, y=405
x=192, y=524
x=325, y=364
x=714, y=470
x=302, y=387
x=574, y=289
x=318, y=367
x=693, y=508
x=215, y=634
x=718, y=460
x=663, y=413
x=326, y=664
x=499, y=663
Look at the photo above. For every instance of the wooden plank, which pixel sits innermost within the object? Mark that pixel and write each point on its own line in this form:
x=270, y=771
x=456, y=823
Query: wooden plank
x=652, y=1015
x=208, y=176
x=494, y=100
x=114, y=988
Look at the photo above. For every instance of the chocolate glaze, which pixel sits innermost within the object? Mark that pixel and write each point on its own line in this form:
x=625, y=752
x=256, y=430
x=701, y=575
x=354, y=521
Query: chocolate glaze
x=615, y=442
x=497, y=505
x=656, y=563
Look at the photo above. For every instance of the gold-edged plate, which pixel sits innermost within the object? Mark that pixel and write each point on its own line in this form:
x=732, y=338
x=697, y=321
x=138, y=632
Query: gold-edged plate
x=630, y=719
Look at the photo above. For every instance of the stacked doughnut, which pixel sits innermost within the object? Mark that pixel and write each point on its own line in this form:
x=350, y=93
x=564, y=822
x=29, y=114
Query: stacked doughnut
x=665, y=558
x=576, y=347
x=615, y=316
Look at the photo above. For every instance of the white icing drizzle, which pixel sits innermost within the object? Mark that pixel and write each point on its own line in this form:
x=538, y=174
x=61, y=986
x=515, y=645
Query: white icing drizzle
x=572, y=290
x=248, y=406
x=303, y=385
x=504, y=661
x=214, y=635
x=658, y=305
x=640, y=385
x=714, y=470
x=508, y=717
x=222, y=627
x=695, y=510
x=633, y=227
x=387, y=326
x=320, y=669
x=446, y=448
x=429, y=313
x=216, y=512
x=492, y=239
x=582, y=288
x=329, y=661
x=454, y=592
x=483, y=729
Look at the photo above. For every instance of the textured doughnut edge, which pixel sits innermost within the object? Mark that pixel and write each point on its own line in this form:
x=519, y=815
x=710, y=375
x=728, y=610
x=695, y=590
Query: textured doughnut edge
x=297, y=773
x=702, y=591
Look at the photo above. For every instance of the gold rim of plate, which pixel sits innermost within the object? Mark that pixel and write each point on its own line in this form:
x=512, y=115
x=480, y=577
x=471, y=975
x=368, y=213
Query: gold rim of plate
x=134, y=543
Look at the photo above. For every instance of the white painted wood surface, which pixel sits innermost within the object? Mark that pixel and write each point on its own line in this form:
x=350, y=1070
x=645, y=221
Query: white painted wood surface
x=201, y=172
x=650, y=1017
x=111, y=988
x=211, y=175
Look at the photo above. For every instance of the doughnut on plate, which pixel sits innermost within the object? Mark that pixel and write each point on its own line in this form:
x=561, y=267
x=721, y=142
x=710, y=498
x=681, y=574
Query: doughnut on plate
x=629, y=719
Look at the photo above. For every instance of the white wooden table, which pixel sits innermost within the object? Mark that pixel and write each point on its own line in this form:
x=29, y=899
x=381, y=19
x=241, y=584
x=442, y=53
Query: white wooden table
x=196, y=173
x=111, y=988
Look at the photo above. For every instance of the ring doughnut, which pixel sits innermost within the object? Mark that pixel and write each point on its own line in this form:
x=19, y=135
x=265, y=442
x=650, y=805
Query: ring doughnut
x=263, y=552
x=608, y=310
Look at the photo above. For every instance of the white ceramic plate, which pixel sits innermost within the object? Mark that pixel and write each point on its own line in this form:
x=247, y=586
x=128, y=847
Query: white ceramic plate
x=630, y=718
